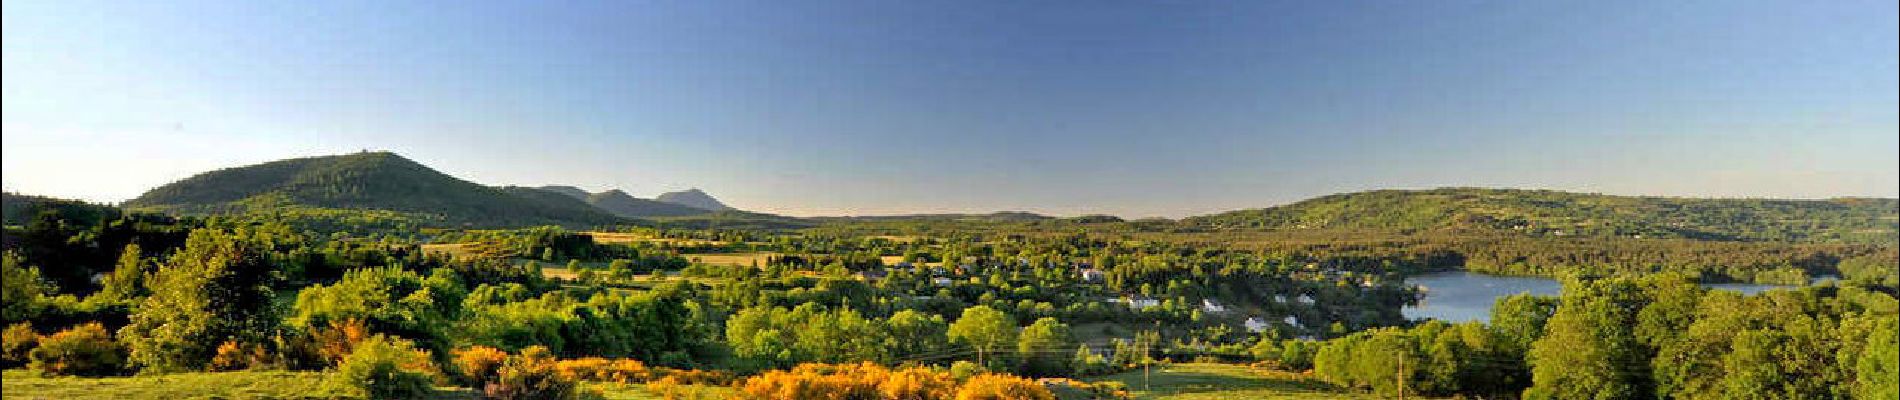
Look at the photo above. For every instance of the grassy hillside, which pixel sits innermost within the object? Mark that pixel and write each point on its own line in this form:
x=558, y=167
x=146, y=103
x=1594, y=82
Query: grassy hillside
x=1553, y=213
x=368, y=181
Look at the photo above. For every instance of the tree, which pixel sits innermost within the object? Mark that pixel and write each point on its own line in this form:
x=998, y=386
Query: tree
x=1590, y=348
x=1877, y=373
x=389, y=300
x=22, y=292
x=127, y=282
x=914, y=333
x=1043, y=348
x=985, y=330
x=1520, y=319
x=214, y=290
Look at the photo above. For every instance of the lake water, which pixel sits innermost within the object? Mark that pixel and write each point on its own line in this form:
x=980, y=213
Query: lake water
x=1460, y=296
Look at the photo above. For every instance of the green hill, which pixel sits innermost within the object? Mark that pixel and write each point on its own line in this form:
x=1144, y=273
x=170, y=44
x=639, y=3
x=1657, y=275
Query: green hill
x=368, y=181
x=1554, y=213
x=20, y=209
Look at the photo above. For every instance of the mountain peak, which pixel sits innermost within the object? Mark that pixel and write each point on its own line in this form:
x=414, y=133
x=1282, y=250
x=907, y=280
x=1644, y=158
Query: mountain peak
x=694, y=198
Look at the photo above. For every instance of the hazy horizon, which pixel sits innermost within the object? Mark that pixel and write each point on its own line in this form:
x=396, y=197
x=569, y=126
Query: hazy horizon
x=867, y=108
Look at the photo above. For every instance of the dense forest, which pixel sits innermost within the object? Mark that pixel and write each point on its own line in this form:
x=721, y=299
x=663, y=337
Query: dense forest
x=390, y=281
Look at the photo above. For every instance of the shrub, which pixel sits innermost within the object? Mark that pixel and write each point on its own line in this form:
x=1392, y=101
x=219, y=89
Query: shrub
x=383, y=367
x=339, y=339
x=478, y=365
x=628, y=370
x=17, y=343
x=1002, y=387
x=532, y=375
x=583, y=369
x=232, y=356
x=965, y=369
x=917, y=384
x=84, y=350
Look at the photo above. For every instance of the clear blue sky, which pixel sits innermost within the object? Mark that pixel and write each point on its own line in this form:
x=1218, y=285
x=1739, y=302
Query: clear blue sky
x=880, y=107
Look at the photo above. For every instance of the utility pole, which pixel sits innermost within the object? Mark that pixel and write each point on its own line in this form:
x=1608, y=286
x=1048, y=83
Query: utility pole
x=1401, y=377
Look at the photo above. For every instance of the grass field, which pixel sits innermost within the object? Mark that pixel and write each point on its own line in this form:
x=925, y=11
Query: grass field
x=23, y=384
x=27, y=385
x=1226, y=381
x=616, y=237
x=616, y=391
x=734, y=259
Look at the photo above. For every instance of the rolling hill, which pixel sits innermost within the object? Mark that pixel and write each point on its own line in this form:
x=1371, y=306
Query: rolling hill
x=369, y=181
x=1554, y=213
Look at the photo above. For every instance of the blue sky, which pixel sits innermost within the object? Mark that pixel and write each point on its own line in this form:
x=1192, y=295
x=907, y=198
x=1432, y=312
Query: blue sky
x=877, y=107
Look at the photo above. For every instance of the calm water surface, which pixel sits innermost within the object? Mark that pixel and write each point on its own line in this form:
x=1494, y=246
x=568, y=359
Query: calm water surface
x=1465, y=296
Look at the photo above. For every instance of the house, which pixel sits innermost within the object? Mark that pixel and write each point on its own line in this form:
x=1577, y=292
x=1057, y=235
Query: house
x=1304, y=299
x=1255, y=325
x=1093, y=275
x=940, y=281
x=1209, y=305
x=1138, y=302
x=873, y=274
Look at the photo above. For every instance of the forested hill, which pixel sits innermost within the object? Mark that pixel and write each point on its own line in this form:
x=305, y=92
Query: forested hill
x=19, y=209
x=368, y=181
x=693, y=198
x=1554, y=213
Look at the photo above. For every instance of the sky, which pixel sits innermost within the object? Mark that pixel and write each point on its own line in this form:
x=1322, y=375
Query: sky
x=876, y=107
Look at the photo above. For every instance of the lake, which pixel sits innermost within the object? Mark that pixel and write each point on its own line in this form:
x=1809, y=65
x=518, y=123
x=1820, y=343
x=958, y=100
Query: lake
x=1460, y=296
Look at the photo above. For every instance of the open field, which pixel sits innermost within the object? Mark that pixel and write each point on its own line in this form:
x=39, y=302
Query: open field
x=23, y=384
x=617, y=237
x=619, y=391
x=1226, y=381
x=734, y=259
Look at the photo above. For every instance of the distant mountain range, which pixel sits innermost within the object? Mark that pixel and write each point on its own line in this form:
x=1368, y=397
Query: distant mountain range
x=386, y=181
x=621, y=204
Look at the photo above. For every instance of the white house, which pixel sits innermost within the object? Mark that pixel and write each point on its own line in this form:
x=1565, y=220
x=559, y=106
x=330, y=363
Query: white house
x=1255, y=325
x=1092, y=275
x=1209, y=305
x=1138, y=302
